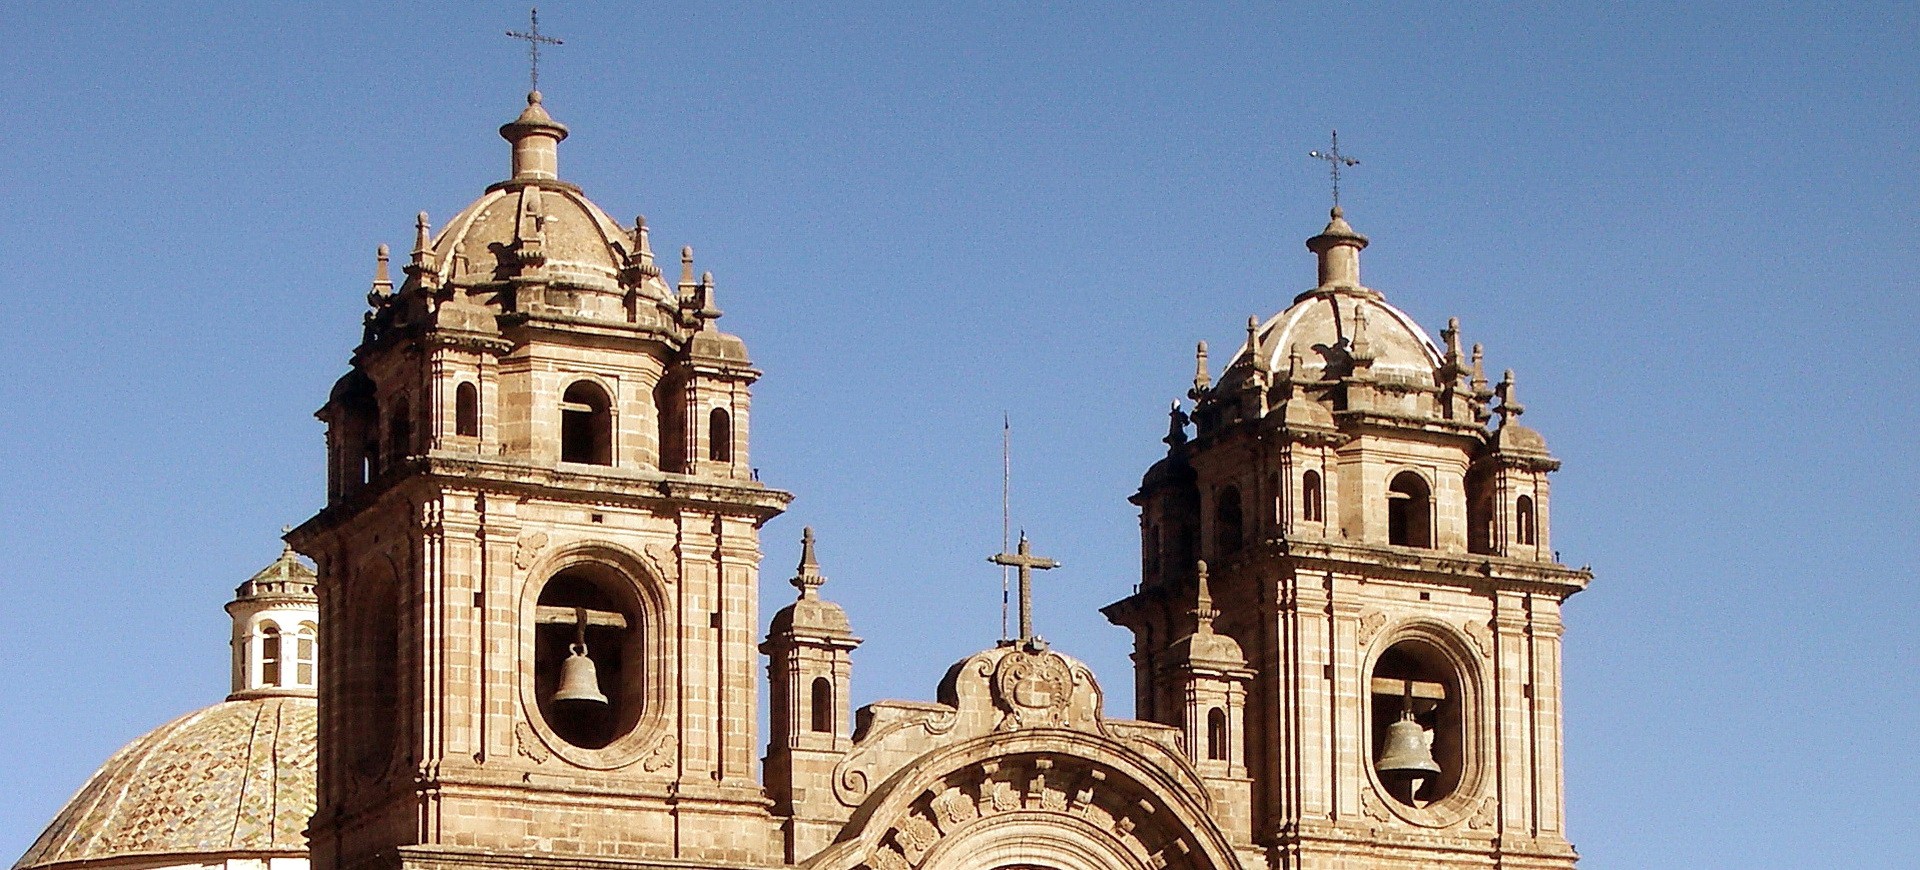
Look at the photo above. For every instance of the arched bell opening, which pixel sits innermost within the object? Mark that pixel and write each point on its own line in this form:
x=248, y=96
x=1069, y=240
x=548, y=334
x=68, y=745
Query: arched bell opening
x=586, y=424
x=588, y=676
x=1418, y=723
x=1410, y=511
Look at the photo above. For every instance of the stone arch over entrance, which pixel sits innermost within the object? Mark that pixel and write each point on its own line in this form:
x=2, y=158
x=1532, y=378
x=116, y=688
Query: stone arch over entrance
x=1052, y=799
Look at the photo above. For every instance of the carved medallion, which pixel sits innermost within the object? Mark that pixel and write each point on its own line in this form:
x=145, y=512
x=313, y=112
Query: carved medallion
x=661, y=558
x=1482, y=636
x=529, y=745
x=1370, y=626
x=526, y=551
x=661, y=755
x=1034, y=688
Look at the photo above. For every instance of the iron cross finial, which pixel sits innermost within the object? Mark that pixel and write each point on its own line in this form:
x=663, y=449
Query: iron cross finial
x=1335, y=160
x=1027, y=563
x=534, y=39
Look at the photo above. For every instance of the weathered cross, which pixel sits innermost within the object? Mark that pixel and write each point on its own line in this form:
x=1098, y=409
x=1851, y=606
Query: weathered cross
x=534, y=39
x=1335, y=160
x=1026, y=561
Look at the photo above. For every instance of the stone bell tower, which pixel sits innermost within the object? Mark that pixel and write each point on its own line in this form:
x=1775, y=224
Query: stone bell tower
x=1379, y=549
x=539, y=555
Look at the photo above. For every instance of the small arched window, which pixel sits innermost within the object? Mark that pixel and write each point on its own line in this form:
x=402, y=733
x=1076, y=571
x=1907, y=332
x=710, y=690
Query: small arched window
x=466, y=410
x=1312, y=502
x=586, y=424
x=719, y=436
x=270, y=655
x=821, y=709
x=1216, y=734
x=1228, y=521
x=303, y=655
x=1409, y=511
x=1523, y=520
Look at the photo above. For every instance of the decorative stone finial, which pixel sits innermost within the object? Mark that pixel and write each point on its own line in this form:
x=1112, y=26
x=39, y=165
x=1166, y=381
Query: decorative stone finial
x=421, y=262
x=686, y=268
x=1361, y=349
x=807, y=579
x=1201, y=380
x=1203, y=602
x=1510, y=408
x=642, y=259
x=1254, y=356
x=382, y=279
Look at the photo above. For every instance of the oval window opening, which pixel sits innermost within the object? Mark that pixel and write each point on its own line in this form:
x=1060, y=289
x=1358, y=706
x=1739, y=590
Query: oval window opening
x=587, y=672
x=1418, y=744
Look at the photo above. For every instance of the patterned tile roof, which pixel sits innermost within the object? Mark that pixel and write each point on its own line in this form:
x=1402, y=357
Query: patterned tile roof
x=234, y=777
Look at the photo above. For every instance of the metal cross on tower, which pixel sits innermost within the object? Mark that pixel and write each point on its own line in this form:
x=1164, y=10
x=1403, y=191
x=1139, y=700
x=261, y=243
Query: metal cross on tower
x=534, y=39
x=1027, y=562
x=1335, y=160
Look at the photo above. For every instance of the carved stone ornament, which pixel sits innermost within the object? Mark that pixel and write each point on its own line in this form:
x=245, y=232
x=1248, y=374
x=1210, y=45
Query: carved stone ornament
x=1482, y=637
x=528, y=744
x=661, y=755
x=1484, y=817
x=1034, y=689
x=1370, y=625
x=1371, y=805
x=661, y=557
x=526, y=551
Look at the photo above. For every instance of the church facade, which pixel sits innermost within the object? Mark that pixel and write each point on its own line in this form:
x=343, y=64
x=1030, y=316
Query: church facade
x=537, y=584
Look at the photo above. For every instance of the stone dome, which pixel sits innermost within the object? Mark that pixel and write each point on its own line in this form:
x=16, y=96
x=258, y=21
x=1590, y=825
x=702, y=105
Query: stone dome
x=234, y=778
x=1328, y=325
x=584, y=246
x=534, y=216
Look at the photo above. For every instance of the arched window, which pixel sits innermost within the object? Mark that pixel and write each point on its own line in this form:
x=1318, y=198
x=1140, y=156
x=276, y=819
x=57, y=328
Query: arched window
x=1228, y=521
x=586, y=425
x=270, y=655
x=1523, y=521
x=668, y=411
x=1409, y=511
x=303, y=655
x=466, y=410
x=1414, y=681
x=1216, y=734
x=719, y=436
x=821, y=709
x=400, y=431
x=1312, y=502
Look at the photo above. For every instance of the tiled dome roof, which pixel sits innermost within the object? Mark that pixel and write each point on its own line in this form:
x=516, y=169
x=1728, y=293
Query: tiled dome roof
x=235, y=777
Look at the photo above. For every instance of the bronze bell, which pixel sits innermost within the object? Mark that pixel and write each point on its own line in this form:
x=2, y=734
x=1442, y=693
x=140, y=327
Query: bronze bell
x=579, y=679
x=1406, y=753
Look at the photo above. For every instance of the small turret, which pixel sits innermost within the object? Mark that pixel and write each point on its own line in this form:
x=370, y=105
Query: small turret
x=1338, y=248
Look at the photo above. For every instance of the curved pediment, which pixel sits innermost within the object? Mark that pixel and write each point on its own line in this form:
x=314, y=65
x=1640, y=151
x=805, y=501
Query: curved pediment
x=1018, y=747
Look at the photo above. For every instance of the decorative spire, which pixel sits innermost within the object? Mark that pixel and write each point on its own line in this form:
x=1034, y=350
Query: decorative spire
x=1203, y=611
x=1510, y=408
x=421, y=263
x=642, y=259
x=1451, y=366
x=1201, y=380
x=382, y=280
x=686, y=270
x=1362, y=349
x=1478, y=380
x=536, y=141
x=808, y=579
x=1258, y=359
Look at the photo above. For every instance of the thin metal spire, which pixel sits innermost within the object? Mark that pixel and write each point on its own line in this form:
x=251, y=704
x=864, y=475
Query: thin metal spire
x=534, y=39
x=1006, y=509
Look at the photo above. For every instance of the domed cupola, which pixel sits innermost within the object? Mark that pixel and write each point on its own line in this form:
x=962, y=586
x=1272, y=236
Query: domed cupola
x=230, y=786
x=534, y=244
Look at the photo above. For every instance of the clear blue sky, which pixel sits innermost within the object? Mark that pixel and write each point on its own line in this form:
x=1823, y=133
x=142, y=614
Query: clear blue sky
x=1691, y=228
